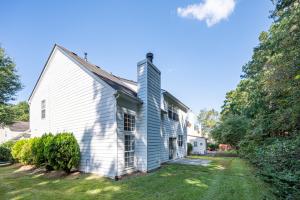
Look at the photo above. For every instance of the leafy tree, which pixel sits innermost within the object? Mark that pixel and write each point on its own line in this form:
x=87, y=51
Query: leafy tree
x=231, y=131
x=6, y=114
x=208, y=119
x=9, y=79
x=9, y=85
x=262, y=115
x=21, y=111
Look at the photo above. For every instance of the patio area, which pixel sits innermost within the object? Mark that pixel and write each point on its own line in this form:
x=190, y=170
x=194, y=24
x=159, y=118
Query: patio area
x=189, y=161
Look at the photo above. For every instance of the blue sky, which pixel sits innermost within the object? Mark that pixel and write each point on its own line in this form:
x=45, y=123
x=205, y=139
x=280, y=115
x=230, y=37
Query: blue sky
x=200, y=49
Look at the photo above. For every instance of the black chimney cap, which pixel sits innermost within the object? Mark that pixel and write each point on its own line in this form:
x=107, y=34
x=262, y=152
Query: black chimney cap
x=149, y=56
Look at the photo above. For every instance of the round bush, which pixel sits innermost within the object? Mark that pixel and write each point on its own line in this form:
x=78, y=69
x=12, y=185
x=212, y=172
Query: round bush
x=47, y=140
x=26, y=155
x=16, y=149
x=37, y=151
x=5, y=154
x=63, y=152
x=5, y=151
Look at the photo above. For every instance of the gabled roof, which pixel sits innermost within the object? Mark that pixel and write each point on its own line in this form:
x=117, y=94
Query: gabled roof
x=122, y=85
x=168, y=94
x=112, y=80
x=115, y=82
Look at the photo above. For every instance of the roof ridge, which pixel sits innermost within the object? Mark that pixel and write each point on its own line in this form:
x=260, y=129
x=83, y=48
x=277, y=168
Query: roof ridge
x=96, y=69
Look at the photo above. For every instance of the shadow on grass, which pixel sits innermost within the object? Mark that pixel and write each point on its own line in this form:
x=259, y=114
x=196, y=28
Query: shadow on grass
x=172, y=181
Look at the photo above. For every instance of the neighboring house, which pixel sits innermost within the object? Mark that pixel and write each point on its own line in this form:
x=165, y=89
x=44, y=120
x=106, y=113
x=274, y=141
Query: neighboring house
x=15, y=131
x=194, y=135
x=121, y=125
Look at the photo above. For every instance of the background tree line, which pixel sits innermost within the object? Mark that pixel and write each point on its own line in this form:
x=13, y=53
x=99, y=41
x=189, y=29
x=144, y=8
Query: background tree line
x=261, y=117
x=9, y=85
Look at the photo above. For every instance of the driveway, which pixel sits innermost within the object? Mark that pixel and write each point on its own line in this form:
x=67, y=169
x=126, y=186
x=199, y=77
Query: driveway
x=187, y=161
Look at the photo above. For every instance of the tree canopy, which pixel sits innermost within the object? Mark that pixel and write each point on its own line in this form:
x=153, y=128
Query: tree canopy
x=263, y=112
x=9, y=85
x=208, y=119
x=9, y=79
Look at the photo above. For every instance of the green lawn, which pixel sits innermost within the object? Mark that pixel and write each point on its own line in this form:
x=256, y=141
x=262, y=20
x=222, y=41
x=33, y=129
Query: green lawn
x=225, y=178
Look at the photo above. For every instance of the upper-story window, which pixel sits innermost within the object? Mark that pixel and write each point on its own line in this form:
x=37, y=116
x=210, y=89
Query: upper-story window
x=43, y=109
x=195, y=143
x=196, y=127
x=172, y=113
x=180, y=140
x=129, y=122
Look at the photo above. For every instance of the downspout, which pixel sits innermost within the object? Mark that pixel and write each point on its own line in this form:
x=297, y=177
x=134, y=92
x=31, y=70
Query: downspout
x=117, y=95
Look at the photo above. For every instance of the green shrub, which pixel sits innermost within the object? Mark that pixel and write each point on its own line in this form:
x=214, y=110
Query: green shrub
x=47, y=140
x=5, y=151
x=26, y=155
x=39, y=146
x=277, y=161
x=62, y=152
x=22, y=151
x=212, y=146
x=56, y=152
x=5, y=154
x=37, y=151
x=16, y=149
x=189, y=148
x=8, y=144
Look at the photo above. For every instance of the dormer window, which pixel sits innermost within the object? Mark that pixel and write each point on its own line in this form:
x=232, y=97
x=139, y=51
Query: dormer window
x=43, y=109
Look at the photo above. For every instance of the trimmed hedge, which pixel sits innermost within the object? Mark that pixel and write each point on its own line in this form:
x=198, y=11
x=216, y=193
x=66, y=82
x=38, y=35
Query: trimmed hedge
x=55, y=152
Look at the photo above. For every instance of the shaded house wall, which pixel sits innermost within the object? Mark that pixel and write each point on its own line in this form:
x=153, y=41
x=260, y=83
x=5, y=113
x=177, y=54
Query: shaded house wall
x=171, y=128
x=84, y=99
x=79, y=103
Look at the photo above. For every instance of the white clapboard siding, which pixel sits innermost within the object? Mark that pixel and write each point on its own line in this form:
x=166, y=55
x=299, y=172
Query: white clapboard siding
x=170, y=128
x=141, y=122
x=124, y=106
x=77, y=102
x=201, y=145
x=153, y=117
x=148, y=124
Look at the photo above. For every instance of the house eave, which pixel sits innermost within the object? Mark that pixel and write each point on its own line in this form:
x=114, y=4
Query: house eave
x=175, y=99
x=128, y=97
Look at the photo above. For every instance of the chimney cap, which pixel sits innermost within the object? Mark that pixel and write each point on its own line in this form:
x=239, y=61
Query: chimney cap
x=85, y=56
x=149, y=56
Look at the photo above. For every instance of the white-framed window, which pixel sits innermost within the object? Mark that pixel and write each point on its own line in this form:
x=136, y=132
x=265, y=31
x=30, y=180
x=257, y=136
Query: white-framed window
x=201, y=144
x=129, y=122
x=129, y=150
x=195, y=144
x=180, y=140
x=196, y=127
x=172, y=113
x=43, y=109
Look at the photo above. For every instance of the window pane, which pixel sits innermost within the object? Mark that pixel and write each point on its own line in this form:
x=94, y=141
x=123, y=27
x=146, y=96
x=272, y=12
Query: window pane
x=170, y=115
x=129, y=151
x=43, y=109
x=129, y=122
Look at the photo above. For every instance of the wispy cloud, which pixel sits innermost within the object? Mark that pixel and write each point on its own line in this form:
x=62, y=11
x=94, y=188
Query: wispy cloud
x=212, y=11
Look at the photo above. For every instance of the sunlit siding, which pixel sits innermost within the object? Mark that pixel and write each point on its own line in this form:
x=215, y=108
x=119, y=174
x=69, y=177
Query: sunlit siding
x=153, y=118
x=141, y=139
x=80, y=103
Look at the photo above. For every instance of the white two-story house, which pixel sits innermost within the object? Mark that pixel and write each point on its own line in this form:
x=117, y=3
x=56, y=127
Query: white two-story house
x=121, y=125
